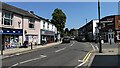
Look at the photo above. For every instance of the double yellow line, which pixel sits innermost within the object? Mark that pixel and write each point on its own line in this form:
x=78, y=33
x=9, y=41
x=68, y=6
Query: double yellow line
x=87, y=56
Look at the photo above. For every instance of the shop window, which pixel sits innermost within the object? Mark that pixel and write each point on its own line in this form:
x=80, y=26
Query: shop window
x=31, y=23
x=7, y=18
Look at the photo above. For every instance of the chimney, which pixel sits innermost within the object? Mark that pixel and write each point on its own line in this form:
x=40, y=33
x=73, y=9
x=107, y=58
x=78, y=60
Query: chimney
x=32, y=12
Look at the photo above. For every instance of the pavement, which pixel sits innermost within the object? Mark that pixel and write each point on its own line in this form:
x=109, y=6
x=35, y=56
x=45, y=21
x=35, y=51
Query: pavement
x=65, y=55
x=17, y=51
x=109, y=58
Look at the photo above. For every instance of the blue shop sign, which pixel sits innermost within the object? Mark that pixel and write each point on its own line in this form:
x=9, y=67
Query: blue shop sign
x=11, y=31
x=46, y=32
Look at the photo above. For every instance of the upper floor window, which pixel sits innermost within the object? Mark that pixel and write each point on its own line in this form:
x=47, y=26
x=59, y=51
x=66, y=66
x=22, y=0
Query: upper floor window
x=44, y=25
x=7, y=18
x=31, y=23
x=52, y=27
x=48, y=26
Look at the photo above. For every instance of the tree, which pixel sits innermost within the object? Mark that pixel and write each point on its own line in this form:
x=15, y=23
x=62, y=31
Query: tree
x=58, y=19
x=71, y=31
x=66, y=31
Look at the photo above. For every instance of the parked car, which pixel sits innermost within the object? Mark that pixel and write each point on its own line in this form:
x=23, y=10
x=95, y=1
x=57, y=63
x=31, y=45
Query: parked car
x=72, y=38
x=66, y=39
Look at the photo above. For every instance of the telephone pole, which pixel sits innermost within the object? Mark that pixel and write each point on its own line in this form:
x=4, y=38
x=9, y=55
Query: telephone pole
x=99, y=26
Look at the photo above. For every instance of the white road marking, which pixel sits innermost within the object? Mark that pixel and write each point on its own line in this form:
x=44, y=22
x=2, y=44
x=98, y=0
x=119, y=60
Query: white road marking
x=13, y=65
x=93, y=46
x=60, y=49
x=97, y=47
x=18, y=54
x=83, y=62
x=41, y=56
x=80, y=64
x=72, y=44
x=80, y=61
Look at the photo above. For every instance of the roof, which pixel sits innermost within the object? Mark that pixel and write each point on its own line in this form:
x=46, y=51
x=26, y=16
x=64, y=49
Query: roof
x=43, y=18
x=110, y=16
x=17, y=10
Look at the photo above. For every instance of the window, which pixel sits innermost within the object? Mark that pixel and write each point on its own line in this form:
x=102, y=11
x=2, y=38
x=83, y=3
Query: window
x=52, y=27
x=119, y=22
x=31, y=23
x=112, y=35
x=44, y=25
x=48, y=26
x=119, y=35
x=109, y=35
x=7, y=18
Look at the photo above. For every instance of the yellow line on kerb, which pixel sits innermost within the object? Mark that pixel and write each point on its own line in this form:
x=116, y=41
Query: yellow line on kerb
x=87, y=56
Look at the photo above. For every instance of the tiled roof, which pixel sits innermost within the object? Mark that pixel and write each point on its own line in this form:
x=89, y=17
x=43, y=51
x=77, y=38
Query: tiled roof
x=17, y=10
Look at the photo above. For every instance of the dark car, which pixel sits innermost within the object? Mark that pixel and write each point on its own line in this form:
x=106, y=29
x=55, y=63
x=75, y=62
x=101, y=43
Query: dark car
x=66, y=40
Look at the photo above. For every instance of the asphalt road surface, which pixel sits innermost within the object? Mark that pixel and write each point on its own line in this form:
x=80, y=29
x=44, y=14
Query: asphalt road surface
x=65, y=54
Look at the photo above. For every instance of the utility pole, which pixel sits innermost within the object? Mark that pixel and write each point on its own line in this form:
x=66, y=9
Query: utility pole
x=99, y=26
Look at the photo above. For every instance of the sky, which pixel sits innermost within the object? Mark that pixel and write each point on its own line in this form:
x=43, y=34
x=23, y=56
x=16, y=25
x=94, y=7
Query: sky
x=76, y=12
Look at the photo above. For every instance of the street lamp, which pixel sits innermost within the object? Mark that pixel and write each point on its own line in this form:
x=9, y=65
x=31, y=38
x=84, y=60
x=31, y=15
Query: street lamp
x=100, y=47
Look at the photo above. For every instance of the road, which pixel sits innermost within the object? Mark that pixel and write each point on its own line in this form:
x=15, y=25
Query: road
x=65, y=54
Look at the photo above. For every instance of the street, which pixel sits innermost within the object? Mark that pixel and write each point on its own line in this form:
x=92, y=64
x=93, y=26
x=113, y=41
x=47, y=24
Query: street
x=65, y=54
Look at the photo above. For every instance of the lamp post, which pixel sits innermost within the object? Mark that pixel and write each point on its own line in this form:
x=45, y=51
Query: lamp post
x=100, y=44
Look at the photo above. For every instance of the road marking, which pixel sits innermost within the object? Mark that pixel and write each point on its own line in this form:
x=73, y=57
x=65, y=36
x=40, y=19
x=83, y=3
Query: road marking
x=26, y=61
x=85, y=59
x=97, y=47
x=18, y=54
x=80, y=61
x=72, y=44
x=60, y=49
x=92, y=46
x=86, y=56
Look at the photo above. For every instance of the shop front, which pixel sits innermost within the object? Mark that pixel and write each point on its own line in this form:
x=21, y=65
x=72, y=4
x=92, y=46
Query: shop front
x=11, y=38
x=32, y=39
x=47, y=36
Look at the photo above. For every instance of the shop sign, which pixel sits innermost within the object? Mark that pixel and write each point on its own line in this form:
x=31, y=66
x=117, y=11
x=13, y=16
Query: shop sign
x=45, y=32
x=110, y=19
x=11, y=31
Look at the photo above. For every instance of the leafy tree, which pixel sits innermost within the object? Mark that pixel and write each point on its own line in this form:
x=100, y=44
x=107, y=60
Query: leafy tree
x=66, y=31
x=71, y=31
x=58, y=19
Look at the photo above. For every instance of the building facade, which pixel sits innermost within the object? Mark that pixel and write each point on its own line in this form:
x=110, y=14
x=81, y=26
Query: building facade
x=48, y=31
x=18, y=25
x=110, y=27
x=87, y=32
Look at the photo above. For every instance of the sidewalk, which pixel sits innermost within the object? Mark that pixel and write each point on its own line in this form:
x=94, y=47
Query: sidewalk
x=110, y=49
x=109, y=58
x=12, y=51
